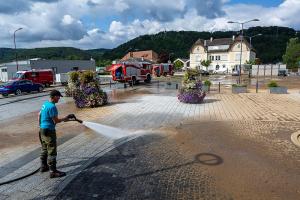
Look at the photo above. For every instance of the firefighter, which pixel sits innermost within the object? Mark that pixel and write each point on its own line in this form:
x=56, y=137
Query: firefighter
x=48, y=118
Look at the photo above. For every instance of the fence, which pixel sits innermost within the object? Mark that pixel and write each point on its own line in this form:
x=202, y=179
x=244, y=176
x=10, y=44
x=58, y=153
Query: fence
x=267, y=70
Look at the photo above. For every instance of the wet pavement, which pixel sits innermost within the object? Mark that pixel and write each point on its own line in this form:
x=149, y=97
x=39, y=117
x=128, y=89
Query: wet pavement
x=229, y=147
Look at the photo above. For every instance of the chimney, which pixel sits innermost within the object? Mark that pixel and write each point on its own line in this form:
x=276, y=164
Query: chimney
x=205, y=43
x=233, y=37
x=211, y=39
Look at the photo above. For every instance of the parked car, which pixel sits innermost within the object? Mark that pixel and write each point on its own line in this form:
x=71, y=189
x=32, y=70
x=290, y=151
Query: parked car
x=235, y=73
x=204, y=73
x=19, y=86
x=282, y=72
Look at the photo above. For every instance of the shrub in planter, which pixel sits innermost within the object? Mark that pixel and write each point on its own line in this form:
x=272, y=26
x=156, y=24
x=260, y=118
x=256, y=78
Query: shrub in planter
x=85, y=90
x=272, y=84
x=239, y=88
x=276, y=89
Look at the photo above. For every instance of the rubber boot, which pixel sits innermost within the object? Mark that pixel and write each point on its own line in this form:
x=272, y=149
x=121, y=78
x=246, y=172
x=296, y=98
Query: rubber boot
x=54, y=173
x=44, y=166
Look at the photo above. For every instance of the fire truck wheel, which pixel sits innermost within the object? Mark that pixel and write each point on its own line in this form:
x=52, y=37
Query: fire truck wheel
x=148, y=79
x=133, y=81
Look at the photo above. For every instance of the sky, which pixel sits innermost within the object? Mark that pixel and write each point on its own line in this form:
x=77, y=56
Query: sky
x=91, y=24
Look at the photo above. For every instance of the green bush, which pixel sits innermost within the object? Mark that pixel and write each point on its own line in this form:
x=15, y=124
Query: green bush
x=273, y=84
x=207, y=83
x=86, y=76
x=74, y=76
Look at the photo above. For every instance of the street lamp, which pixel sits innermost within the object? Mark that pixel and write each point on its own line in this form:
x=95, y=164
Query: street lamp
x=250, y=38
x=242, y=24
x=16, y=47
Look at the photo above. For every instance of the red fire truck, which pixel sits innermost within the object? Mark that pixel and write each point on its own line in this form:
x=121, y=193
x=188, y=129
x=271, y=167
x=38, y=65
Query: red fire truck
x=44, y=77
x=131, y=72
x=163, y=69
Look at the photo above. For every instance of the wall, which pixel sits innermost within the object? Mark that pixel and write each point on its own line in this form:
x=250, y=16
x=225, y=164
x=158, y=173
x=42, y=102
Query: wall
x=197, y=54
x=63, y=66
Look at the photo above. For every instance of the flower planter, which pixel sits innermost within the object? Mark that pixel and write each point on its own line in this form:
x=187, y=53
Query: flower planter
x=239, y=89
x=278, y=90
x=192, y=96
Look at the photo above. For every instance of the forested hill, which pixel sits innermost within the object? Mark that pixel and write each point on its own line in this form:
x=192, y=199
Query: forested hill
x=55, y=53
x=269, y=47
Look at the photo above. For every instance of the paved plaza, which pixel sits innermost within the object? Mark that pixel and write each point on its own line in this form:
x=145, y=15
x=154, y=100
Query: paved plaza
x=232, y=146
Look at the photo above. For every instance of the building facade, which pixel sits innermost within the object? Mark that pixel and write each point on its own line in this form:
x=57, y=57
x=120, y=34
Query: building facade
x=149, y=55
x=223, y=53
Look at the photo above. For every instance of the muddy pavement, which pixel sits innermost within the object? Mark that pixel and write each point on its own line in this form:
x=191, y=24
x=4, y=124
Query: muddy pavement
x=203, y=160
x=230, y=147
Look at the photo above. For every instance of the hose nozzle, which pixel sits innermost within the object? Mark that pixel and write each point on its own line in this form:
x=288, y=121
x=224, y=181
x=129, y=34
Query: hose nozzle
x=72, y=117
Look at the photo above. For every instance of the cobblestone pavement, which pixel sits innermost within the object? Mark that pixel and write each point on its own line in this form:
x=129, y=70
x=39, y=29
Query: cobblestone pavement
x=229, y=147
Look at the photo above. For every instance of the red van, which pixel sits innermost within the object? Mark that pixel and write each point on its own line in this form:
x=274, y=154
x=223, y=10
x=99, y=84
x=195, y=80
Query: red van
x=44, y=77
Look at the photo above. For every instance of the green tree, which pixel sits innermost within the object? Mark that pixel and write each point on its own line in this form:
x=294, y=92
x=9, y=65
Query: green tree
x=206, y=63
x=178, y=65
x=292, y=53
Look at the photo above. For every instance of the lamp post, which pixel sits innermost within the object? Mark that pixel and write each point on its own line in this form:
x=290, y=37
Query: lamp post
x=242, y=25
x=250, y=38
x=16, y=47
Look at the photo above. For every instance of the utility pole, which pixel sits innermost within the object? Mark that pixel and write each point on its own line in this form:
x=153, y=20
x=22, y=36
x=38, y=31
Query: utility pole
x=16, y=47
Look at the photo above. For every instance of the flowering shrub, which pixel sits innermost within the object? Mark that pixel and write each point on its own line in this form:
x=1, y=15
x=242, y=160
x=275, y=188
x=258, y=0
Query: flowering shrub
x=85, y=90
x=191, y=91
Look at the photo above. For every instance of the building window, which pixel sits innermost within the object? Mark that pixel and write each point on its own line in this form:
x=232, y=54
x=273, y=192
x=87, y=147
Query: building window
x=211, y=58
x=198, y=58
x=218, y=57
x=224, y=66
x=75, y=68
x=224, y=57
x=4, y=70
x=217, y=67
x=237, y=56
x=239, y=46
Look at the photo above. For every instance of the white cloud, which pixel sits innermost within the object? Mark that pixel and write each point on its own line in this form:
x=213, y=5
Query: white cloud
x=104, y=23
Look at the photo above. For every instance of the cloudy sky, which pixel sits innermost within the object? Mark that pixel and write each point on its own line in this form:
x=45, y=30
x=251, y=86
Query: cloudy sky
x=89, y=24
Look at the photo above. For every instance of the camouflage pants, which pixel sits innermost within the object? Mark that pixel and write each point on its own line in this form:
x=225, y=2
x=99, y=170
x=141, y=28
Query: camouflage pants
x=49, y=146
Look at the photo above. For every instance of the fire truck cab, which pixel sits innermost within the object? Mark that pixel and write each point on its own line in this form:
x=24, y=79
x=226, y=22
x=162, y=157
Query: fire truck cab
x=163, y=69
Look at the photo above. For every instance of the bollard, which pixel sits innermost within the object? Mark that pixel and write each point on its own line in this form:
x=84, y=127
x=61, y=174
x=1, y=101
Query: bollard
x=176, y=86
x=256, y=87
x=219, y=87
x=125, y=86
x=109, y=83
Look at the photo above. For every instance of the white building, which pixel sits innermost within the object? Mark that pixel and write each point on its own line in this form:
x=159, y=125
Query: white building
x=224, y=54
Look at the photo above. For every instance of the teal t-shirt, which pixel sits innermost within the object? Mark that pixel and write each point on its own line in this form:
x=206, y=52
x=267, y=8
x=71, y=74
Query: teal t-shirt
x=48, y=111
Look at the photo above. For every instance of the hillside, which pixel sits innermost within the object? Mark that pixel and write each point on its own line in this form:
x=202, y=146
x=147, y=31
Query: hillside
x=269, y=47
x=55, y=53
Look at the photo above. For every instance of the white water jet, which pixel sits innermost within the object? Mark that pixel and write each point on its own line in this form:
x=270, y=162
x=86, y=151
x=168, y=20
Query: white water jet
x=107, y=131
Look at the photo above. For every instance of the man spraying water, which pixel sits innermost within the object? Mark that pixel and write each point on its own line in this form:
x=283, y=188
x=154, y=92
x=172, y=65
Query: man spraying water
x=48, y=118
